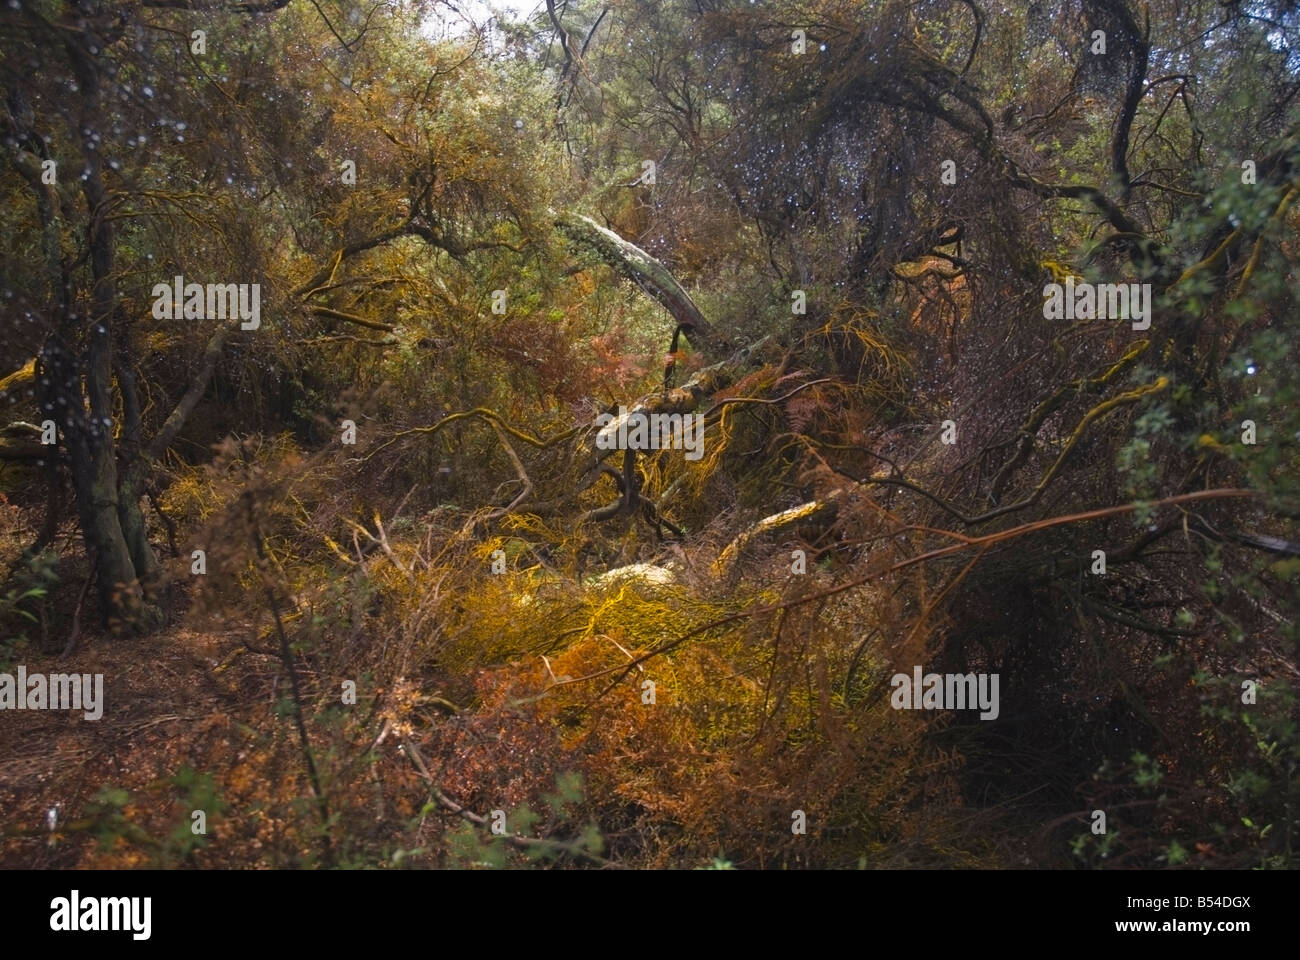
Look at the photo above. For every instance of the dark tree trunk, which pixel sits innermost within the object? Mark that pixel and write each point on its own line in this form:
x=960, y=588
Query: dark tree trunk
x=94, y=481
x=92, y=450
x=134, y=530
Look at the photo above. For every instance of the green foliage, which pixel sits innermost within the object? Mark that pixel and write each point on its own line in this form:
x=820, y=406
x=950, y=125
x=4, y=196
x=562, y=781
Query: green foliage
x=473, y=847
x=27, y=589
x=113, y=816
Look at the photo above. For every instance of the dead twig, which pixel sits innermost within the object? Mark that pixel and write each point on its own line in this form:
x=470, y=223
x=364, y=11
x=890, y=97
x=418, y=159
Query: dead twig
x=516, y=841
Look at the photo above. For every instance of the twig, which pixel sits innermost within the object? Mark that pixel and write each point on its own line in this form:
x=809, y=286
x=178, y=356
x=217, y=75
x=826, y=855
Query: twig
x=76, y=613
x=286, y=657
x=514, y=839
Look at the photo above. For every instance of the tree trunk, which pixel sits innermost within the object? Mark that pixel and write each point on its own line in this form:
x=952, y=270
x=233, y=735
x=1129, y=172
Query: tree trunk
x=94, y=479
x=76, y=391
x=92, y=449
x=134, y=530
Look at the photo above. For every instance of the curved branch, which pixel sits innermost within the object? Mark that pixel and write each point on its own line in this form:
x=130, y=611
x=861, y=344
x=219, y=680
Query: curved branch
x=979, y=29
x=1048, y=407
x=482, y=413
x=1132, y=96
x=526, y=492
x=815, y=511
x=1131, y=396
x=352, y=318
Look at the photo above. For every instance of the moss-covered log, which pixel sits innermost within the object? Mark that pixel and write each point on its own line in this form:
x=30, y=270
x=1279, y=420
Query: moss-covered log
x=814, y=511
x=21, y=441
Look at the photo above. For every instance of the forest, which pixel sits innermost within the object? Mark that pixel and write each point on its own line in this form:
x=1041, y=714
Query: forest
x=649, y=434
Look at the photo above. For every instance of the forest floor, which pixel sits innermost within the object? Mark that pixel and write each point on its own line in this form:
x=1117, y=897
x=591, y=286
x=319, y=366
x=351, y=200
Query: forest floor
x=125, y=786
x=164, y=709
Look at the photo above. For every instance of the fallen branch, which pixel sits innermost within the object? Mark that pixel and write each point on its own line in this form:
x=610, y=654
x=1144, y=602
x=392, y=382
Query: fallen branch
x=811, y=512
x=22, y=441
x=964, y=542
x=645, y=271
